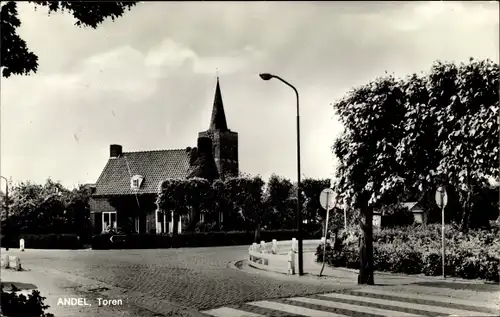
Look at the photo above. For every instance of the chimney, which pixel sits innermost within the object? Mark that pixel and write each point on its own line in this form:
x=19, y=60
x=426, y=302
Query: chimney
x=115, y=150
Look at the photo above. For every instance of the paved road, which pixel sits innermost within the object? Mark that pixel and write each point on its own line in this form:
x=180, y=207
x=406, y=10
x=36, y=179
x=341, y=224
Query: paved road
x=163, y=282
x=199, y=278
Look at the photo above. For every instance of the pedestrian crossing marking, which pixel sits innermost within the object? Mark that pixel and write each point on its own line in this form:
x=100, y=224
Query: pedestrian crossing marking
x=361, y=301
x=227, y=311
x=297, y=310
x=351, y=307
x=387, y=302
x=434, y=298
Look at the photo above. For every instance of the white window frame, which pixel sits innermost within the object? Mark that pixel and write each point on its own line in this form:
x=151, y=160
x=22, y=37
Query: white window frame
x=104, y=222
x=158, y=223
x=136, y=182
x=137, y=224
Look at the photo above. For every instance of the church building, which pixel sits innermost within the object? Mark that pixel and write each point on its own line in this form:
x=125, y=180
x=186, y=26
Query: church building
x=124, y=195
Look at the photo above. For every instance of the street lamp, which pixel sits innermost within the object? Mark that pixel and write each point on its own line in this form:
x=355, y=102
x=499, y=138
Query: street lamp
x=6, y=210
x=266, y=76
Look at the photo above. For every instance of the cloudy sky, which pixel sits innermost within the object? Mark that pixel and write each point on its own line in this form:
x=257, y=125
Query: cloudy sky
x=146, y=81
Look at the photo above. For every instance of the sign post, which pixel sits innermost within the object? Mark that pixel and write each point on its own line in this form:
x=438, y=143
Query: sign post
x=442, y=201
x=327, y=201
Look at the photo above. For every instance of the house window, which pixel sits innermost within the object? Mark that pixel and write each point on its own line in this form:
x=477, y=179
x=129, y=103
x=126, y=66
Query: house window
x=136, y=181
x=109, y=221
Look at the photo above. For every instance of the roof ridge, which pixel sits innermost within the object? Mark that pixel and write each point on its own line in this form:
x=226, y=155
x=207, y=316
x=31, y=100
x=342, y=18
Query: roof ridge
x=157, y=150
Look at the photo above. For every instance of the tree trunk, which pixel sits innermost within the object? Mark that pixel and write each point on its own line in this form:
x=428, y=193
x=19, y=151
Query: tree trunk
x=175, y=226
x=465, y=221
x=257, y=233
x=365, y=275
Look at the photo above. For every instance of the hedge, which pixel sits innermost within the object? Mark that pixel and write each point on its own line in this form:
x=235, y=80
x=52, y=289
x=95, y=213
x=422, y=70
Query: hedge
x=189, y=239
x=417, y=250
x=43, y=241
x=14, y=304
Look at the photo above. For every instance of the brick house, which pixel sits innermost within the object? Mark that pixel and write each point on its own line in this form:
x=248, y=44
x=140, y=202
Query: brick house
x=124, y=195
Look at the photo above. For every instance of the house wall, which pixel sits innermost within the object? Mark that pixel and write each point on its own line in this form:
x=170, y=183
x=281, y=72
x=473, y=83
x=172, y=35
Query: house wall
x=146, y=214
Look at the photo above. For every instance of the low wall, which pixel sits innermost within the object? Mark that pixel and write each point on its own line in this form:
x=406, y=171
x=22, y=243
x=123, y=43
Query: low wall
x=279, y=256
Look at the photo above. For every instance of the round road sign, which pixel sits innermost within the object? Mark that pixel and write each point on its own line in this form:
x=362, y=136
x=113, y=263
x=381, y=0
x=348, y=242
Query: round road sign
x=327, y=198
x=441, y=197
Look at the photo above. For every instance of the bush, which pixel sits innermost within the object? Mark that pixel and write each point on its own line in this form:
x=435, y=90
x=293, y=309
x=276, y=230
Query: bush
x=44, y=241
x=417, y=250
x=189, y=239
x=15, y=305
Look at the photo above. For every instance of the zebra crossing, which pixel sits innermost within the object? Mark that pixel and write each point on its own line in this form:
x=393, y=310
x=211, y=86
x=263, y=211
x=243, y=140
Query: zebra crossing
x=368, y=302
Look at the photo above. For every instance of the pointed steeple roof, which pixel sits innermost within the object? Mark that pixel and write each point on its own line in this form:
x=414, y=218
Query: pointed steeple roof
x=218, y=121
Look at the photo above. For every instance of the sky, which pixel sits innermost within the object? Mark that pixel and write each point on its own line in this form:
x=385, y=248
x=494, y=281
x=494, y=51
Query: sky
x=146, y=81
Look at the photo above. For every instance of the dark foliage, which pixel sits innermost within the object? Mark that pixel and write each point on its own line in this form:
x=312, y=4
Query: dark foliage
x=17, y=59
x=14, y=305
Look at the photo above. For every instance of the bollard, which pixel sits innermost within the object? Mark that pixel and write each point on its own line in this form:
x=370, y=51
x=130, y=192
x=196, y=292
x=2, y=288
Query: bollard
x=15, y=263
x=5, y=261
x=275, y=246
x=21, y=244
x=262, y=245
x=294, y=245
x=291, y=262
x=322, y=240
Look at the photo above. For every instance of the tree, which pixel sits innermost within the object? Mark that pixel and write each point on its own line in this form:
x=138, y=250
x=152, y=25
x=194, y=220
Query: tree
x=246, y=194
x=172, y=198
x=198, y=198
x=404, y=137
x=371, y=116
x=281, y=215
x=311, y=190
x=17, y=59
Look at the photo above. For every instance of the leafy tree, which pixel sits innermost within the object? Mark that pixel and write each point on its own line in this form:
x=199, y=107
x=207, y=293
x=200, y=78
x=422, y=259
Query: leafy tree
x=281, y=214
x=246, y=194
x=172, y=198
x=223, y=207
x=199, y=198
x=311, y=190
x=17, y=59
x=403, y=138
x=371, y=116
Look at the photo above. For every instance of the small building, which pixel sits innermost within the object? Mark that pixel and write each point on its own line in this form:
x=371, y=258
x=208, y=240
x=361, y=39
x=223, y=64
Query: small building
x=419, y=214
x=125, y=193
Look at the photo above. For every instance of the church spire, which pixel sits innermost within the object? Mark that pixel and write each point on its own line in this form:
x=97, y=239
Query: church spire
x=218, y=121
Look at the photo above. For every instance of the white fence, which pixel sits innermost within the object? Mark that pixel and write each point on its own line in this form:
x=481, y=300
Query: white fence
x=278, y=256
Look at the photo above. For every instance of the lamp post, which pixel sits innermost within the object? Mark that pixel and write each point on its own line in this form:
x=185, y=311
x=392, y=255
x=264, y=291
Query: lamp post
x=266, y=76
x=6, y=210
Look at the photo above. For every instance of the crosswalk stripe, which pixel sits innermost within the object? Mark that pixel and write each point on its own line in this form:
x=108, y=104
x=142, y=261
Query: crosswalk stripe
x=434, y=298
x=294, y=309
x=230, y=312
x=429, y=308
x=351, y=307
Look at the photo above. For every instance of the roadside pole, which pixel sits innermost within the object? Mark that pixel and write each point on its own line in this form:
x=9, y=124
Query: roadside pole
x=327, y=201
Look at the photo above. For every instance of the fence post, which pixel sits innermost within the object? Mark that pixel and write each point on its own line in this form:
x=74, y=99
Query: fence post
x=291, y=262
x=21, y=244
x=275, y=246
x=294, y=245
x=262, y=246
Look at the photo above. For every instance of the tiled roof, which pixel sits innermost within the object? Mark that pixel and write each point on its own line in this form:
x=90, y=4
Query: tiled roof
x=409, y=204
x=154, y=166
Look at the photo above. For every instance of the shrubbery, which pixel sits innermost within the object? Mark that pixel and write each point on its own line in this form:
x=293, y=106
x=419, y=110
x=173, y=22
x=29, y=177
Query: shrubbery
x=417, y=250
x=43, y=241
x=15, y=305
x=190, y=239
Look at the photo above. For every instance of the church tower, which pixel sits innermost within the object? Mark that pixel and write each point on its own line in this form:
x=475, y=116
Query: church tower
x=224, y=141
